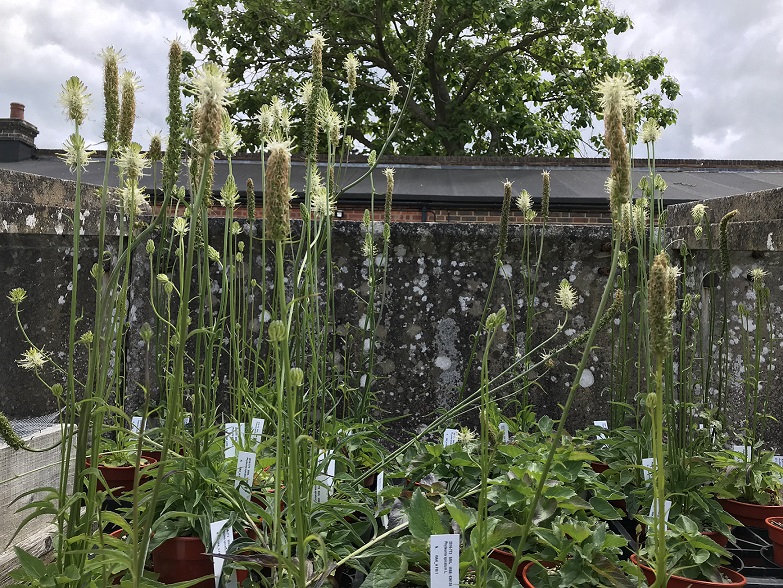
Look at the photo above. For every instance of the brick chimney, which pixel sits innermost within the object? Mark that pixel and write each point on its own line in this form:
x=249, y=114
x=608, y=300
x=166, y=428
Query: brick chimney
x=17, y=136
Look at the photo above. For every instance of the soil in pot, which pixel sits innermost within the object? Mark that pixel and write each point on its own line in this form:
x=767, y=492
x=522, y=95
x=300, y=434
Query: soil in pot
x=734, y=579
x=750, y=515
x=182, y=558
x=775, y=531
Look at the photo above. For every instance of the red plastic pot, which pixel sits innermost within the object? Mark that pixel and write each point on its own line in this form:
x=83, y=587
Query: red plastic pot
x=750, y=515
x=775, y=532
x=736, y=580
x=182, y=558
x=528, y=568
x=599, y=466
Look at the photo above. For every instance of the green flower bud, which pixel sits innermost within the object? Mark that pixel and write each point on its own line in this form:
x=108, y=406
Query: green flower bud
x=150, y=247
x=277, y=331
x=297, y=376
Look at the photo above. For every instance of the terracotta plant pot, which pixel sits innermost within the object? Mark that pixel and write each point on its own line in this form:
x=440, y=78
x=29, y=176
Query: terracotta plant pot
x=182, y=558
x=750, y=515
x=507, y=558
x=528, y=568
x=736, y=580
x=120, y=478
x=775, y=531
x=719, y=538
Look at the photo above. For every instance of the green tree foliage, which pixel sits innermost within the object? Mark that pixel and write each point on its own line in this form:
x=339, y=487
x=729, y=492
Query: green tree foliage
x=497, y=76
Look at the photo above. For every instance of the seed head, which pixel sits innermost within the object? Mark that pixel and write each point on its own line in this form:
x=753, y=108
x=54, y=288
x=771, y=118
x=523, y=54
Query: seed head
x=251, y=200
x=387, y=206
x=698, y=212
x=155, y=152
x=180, y=226
x=505, y=212
x=229, y=142
x=17, y=296
x=524, y=201
x=33, y=359
x=723, y=233
x=132, y=162
x=76, y=154
x=129, y=85
x=351, y=68
x=545, y=193
x=566, y=295
x=229, y=194
x=75, y=100
x=651, y=132
x=278, y=194
x=661, y=306
x=8, y=434
x=394, y=89
x=111, y=93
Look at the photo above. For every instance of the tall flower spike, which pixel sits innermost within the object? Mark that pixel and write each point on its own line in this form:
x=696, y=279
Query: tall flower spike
x=278, y=195
x=75, y=100
x=173, y=162
x=661, y=306
x=311, y=123
x=505, y=211
x=351, y=68
x=616, y=95
x=723, y=234
x=229, y=138
x=111, y=93
x=251, y=201
x=129, y=85
x=211, y=85
x=545, y=193
x=155, y=152
x=387, y=205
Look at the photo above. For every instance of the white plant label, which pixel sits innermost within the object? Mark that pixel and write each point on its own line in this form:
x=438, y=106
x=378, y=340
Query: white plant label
x=743, y=449
x=667, y=506
x=222, y=536
x=450, y=437
x=778, y=459
x=323, y=481
x=186, y=421
x=256, y=430
x=379, y=479
x=444, y=561
x=246, y=467
x=136, y=424
x=504, y=427
x=647, y=462
x=235, y=432
x=603, y=425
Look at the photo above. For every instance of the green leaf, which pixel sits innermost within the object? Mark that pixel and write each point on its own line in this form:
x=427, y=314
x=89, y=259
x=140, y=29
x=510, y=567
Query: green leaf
x=387, y=571
x=546, y=508
x=463, y=515
x=33, y=566
x=423, y=519
x=602, y=509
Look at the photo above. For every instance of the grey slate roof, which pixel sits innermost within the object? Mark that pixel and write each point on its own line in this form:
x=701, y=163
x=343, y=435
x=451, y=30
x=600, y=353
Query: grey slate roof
x=477, y=182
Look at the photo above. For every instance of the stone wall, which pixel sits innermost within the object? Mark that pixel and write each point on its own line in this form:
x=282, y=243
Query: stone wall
x=437, y=282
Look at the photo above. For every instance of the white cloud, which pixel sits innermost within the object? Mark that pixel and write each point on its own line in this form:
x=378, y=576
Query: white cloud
x=51, y=41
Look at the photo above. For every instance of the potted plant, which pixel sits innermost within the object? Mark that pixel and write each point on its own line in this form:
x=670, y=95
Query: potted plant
x=692, y=559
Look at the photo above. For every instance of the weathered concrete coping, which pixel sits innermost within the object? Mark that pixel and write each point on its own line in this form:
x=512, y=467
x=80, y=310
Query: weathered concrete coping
x=757, y=227
x=32, y=204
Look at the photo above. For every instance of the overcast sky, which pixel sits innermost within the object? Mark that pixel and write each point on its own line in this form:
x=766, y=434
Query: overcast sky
x=726, y=54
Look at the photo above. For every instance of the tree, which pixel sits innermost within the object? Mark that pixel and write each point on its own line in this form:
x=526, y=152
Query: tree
x=505, y=77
